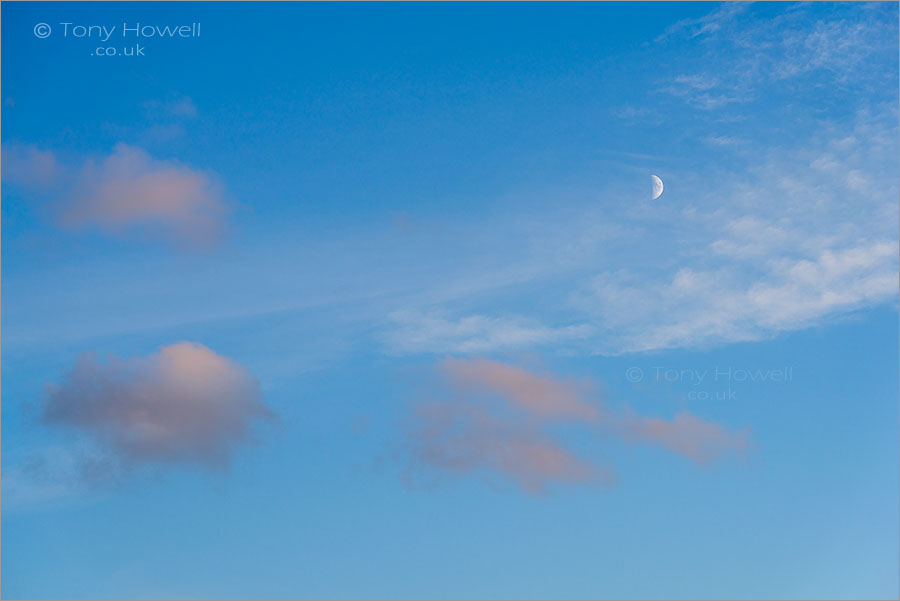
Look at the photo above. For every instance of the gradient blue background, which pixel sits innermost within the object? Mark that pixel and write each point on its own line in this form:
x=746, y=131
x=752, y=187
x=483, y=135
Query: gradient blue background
x=324, y=123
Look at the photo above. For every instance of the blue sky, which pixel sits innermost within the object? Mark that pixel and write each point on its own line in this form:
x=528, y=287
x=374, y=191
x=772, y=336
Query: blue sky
x=372, y=301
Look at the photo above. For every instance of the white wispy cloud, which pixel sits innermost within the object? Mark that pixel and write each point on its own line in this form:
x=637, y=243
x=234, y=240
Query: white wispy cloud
x=415, y=332
x=798, y=228
x=743, y=57
x=747, y=206
x=707, y=24
x=714, y=306
x=808, y=234
x=799, y=236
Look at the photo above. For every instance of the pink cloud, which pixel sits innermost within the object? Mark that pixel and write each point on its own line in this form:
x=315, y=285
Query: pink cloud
x=30, y=167
x=686, y=435
x=126, y=192
x=129, y=188
x=464, y=438
x=184, y=404
x=458, y=426
x=540, y=394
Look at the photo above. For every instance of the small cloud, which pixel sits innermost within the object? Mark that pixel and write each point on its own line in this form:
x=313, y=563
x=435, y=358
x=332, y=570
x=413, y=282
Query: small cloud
x=129, y=188
x=401, y=221
x=46, y=475
x=628, y=112
x=700, y=91
x=163, y=121
x=124, y=192
x=686, y=435
x=28, y=166
x=163, y=132
x=182, y=107
x=696, y=82
x=462, y=437
x=724, y=141
x=184, y=404
x=537, y=393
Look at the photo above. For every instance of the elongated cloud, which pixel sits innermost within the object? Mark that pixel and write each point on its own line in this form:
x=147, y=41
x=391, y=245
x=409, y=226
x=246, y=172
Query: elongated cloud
x=184, y=404
x=686, y=435
x=416, y=332
x=537, y=393
x=463, y=437
x=124, y=193
x=488, y=417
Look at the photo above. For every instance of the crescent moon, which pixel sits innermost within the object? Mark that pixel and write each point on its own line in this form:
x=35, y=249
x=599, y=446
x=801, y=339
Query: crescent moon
x=657, y=187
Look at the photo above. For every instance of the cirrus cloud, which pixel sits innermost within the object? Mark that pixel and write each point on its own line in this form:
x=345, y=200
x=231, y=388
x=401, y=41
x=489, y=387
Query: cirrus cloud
x=418, y=331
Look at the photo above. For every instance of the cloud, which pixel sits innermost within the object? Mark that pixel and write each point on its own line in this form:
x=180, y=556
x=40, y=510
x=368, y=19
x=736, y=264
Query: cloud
x=760, y=53
x=417, y=332
x=29, y=166
x=125, y=192
x=129, y=188
x=179, y=107
x=686, y=435
x=42, y=476
x=536, y=393
x=724, y=141
x=481, y=416
x=783, y=238
x=699, y=90
x=631, y=113
x=184, y=404
x=702, y=307
x=801, y=238
x=462, y=437
x=782, y=228
x=166, y=120
x=707, y=24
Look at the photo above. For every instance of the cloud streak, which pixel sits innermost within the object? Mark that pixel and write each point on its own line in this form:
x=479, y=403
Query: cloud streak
x=539, y=394
x=796, y=241
x=417, y=332
x=686, y=435
x=480, y=416
x=762, y=52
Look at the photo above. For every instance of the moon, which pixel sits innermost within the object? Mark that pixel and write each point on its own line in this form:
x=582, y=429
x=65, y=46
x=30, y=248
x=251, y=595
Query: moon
x=657, y=187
